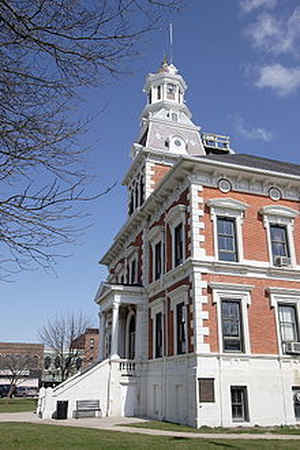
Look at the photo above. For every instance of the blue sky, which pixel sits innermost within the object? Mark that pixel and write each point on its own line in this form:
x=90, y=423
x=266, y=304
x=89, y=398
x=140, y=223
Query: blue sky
x=241, y=61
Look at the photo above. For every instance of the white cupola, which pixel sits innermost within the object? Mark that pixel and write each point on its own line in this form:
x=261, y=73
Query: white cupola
x=166, y=120
x=166, y=88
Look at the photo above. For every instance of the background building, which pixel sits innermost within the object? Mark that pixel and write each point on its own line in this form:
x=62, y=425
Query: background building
x=21, y=363
x=88, y=345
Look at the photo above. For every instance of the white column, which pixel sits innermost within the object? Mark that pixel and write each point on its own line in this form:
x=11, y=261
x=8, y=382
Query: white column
x=115, y=330
x=141, y=328
x=102, y=320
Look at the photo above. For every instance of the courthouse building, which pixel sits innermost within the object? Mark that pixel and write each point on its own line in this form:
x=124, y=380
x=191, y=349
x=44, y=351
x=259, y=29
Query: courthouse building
x=199, y=315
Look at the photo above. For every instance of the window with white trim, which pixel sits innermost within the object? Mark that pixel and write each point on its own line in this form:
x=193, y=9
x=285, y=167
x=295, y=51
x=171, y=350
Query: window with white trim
x=132, y=268
x=176, y=221
x=157, y=260
x=179, y=303
x=286, y=303
x=232, y=302
x=156, y=241
x=288, y=324
x=158, y=335
x=227, y=215
x=181, y=328
x=157, y=316
x=227, y=248
x=279, y=224
x=239, y=404
x=178, y=245
x=232, y=327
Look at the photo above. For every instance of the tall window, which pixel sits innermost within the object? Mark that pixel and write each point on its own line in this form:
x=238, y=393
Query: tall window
x=158, y=261
x=227, y=239
x=158, y=335
x=239, y=404
x=178, y=244
x=287, y=324
x=180, y=322
x=130, y=208
x=158, y=92
x=279, y=242
x=131, y=337
x=136, y=194
x=142, y=190
x=133, y=271
x=232, y=326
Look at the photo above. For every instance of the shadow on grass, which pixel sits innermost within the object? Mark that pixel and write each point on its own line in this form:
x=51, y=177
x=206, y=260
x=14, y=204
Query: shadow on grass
x=223, y=445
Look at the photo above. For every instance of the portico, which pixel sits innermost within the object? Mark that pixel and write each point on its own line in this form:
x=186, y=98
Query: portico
x=122, y=313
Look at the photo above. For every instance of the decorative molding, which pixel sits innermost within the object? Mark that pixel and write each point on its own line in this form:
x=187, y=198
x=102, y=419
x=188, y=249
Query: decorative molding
x=279, y=211
x=232, y=287
x=227, y=204
x=175, y=214
x=179, y=294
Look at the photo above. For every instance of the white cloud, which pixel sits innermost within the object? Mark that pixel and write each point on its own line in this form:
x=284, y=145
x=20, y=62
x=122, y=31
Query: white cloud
x=283, y=80
x=249, y=5
x=274, y=34
x=260, y=134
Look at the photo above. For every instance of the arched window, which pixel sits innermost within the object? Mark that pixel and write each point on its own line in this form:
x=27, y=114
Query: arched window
x=131, y=338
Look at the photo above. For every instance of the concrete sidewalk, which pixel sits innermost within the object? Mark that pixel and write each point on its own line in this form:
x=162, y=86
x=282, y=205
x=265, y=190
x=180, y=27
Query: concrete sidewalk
x=113, y=424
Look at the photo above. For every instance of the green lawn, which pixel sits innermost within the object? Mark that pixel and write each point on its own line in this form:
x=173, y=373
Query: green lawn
x=167, y=426
x=17, y=405
x=23, y=436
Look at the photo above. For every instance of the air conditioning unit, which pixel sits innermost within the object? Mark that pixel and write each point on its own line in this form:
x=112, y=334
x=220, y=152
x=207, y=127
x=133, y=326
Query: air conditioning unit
x=282, y=261
x=292, y=348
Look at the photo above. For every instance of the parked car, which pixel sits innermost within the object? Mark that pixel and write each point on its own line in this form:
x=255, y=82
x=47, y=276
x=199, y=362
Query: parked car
x=4, y=390
x=26, y=391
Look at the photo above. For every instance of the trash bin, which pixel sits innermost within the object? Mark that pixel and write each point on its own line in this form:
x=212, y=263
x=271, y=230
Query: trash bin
x=61, y=409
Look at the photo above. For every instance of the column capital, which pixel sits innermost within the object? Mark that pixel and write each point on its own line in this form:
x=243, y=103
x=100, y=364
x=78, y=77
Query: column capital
x=141, y=307
x=115, y=305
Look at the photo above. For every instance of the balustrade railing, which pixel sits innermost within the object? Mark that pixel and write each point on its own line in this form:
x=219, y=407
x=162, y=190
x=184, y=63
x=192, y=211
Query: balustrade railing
x=127, y=367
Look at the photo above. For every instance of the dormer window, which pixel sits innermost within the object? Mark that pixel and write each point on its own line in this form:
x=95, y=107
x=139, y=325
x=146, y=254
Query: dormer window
x=174, y=117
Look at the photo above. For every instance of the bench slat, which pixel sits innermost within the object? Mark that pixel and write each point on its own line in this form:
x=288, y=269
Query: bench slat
x=86, y=408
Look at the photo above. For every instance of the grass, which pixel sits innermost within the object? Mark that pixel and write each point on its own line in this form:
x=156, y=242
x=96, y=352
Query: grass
x=168, y=426
x=17, y=405
x=25, y=436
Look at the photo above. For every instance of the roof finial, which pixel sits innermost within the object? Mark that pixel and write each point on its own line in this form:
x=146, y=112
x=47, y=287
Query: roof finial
x=171, y=42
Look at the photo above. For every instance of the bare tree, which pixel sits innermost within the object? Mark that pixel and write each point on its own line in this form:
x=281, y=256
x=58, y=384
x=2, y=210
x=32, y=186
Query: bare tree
x=17, y=368
x=59, y=335
x=50, y=50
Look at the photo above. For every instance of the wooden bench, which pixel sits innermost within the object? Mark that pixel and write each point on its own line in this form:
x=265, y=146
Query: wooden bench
x=86, y=408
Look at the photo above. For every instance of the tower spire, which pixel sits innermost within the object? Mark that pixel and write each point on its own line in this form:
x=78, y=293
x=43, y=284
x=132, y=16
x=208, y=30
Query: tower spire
x=171, y=42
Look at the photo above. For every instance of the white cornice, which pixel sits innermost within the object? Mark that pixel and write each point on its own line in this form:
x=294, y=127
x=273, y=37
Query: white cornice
x=196, y=167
